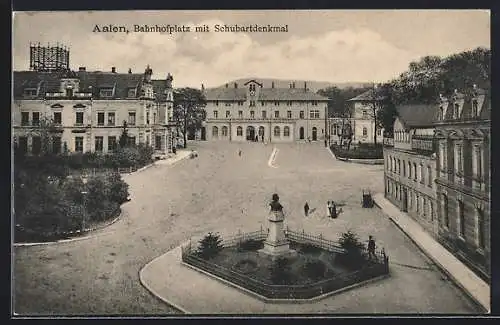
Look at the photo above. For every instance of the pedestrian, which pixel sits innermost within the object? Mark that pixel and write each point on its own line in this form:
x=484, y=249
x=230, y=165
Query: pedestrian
x=328, y=209
x=371, y=248
x=334, y=210
x=306, y=209
x=239, y=152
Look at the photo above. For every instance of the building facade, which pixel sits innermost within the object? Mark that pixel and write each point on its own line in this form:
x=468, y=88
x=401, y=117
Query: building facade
x=410, y=165
x=463, y=177
x=252, y=112
x=86, y=111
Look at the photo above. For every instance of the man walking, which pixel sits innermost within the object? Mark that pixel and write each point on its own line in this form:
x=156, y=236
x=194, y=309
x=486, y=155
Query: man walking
x=328, y=209
x=333, y=211
x=306, y=209
x=371, y=248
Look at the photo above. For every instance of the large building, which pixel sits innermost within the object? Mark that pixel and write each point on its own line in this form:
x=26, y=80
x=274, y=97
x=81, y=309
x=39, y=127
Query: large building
x=410, y=165
x=438, y=171
x=251, y=111
x=463, y=177
x=360, y=120
x=86, y=110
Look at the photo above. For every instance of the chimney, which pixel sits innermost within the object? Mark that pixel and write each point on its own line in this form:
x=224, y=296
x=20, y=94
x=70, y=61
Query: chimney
x=202, y=87
x=272, y=84
x=82, y=69
x=235, y=85
x=227, y=85
x=305, y=86
x=129, y=70
x=113, y=69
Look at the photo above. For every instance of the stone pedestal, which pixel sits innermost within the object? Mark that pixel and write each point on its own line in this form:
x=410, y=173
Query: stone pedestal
x=276, y=243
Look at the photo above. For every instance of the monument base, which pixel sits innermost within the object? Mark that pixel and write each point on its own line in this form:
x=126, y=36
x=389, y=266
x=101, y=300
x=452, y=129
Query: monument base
x=277, y=250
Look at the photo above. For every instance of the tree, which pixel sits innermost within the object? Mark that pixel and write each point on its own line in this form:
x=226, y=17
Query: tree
x=189, y=110
x=387, y=113
x=123, y=141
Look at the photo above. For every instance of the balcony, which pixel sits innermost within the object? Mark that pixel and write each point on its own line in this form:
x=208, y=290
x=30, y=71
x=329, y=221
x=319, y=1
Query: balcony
x=388, y=142
x=64, y=96
x=423, y=143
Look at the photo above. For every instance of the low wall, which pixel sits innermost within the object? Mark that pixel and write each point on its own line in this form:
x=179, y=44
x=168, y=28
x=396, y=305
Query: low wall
x=362, y=161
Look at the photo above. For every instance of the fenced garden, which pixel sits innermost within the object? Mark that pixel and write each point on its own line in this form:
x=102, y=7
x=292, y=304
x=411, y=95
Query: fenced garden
x=320, y=265
x=360, y=151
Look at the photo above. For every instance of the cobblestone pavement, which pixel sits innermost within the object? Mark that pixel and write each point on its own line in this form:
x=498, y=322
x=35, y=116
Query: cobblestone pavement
x=220, y=191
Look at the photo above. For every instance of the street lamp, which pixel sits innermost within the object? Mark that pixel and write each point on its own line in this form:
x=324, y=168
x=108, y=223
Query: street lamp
x=84, y=215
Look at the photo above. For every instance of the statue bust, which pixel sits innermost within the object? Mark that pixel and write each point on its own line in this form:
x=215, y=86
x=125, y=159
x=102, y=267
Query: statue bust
x=275, y=204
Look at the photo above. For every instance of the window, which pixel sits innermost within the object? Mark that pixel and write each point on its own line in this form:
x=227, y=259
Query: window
x=264, y=114
x=224, y=131
x=442, y=156
x=100, y=118
x=445, y=211
x=79, y=144
x=365, y=113
x=112, y=144
x=131, y=141
x=228, y=114
x=399, y=166
x=276, y=103
x=334, y=129
x=216, y=103
x=252, y=103
x=131, y=118
x=314, y=113
x=429, y=176
x=99, y=144
x=106, y=93
x=480, y=228
x=314, y=103
x=424, y=206
x=154, y=117
x=414, y=171
x=252, y=114
x=239, y=131
x=263, y=103
x=379, y=132
x=240, y=114
x=58, y=118
x=458, y=159
x=23, y=144
x=474, y=108
x=431, y=210
x=421, y=174
x=276, y=131
x=441, y=113
x=301, y=114
x=477, y=162
x=276, y=114
x=289, y=103
x=252, y=87
x=79, y=118
x=418, y=203
x=131, y=93
x=30, y=92
x=240, y=103
x=69, y=92
x=286, y=131
x=288, y=114
x=215, y=132
x=36, y=118
x=111, y=119
x=56, y=145
x=461, y=219
x=25, y=118
x=365, y=131
x=228, y=103
x=36, y=145
x=216, y=114
x=147, y=117
x=456, y=111
x=158, y=142
x=404, y=168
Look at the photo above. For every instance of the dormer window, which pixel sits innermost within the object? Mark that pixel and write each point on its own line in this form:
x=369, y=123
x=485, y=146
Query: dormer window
x=131, y=93
x=474, y=108
x=106, y=93
x=69, y=92
x=252, y=87
x=456, y=111
x=441, y=113
x=30, y=92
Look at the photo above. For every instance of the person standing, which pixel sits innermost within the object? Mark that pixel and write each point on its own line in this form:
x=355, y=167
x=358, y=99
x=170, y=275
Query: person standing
x=333, y=213
x=371, y=248
x=239, y=152
x=306, y=209
x=328, y=209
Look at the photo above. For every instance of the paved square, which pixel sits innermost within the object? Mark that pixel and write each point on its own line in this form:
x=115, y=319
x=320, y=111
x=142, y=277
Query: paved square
x=220, y=191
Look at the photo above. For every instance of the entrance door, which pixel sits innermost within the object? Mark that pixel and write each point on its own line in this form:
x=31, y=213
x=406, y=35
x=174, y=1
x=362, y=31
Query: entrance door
x=203, y=134
x=250, y=133
x=315, y=134
x=301, y=133
x=405, y=199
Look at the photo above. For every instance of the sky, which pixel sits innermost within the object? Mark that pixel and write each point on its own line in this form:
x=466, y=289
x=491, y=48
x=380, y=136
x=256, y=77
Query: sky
x=321, y=45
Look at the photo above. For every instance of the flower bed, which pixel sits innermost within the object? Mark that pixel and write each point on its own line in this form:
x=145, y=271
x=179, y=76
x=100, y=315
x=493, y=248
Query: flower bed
x=360, y=152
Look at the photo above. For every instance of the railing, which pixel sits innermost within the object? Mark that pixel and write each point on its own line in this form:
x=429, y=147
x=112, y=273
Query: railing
x=86, y=172
x=320, y=241
x=423, y=143
x=388, y=142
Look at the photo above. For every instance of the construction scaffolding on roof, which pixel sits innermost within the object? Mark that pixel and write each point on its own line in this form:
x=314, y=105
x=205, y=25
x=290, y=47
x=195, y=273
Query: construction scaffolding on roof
x=49, y=58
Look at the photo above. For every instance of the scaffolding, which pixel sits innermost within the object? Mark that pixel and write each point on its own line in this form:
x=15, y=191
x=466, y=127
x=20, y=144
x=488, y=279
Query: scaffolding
x=49, y=58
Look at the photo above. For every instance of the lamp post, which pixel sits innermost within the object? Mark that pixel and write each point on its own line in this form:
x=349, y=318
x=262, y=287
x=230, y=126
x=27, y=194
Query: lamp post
x=84, y=215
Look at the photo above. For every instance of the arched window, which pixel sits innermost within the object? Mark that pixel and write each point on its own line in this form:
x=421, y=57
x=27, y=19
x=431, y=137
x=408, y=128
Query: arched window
x=365, y=131
x=441, y=113
x=276, y=131
x=261, y=131
x=215, y=132
x=239, y=131
x=286, y=131
x=456, y=111
x=224, y=131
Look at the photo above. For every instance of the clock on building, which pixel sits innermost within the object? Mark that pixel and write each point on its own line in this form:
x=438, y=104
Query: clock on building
x=252, y=93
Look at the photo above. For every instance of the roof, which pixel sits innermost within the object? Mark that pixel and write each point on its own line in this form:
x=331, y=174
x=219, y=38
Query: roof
x=369, y=95
x=419, y=115
x=90, y=82
x=467, y=105
x=268, y=94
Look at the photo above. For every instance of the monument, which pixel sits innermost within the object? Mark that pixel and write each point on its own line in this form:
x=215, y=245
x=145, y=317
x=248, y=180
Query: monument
x=276, y=243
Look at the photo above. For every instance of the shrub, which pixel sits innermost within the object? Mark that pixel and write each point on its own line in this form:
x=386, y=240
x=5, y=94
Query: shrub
x=314, y=269
x=127, y=157
x=280, y=271
x=354, y=248
x=210, y=246
x=250, y=245
x=145, y=154
x=309, y=248
x=117, y=188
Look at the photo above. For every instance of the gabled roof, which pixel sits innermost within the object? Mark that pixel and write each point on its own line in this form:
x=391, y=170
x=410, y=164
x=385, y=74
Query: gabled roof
x=417, y=115
x=467, y=105
x=369, y=95
x=253, y=81
x=268, y=94
x=234, y=94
